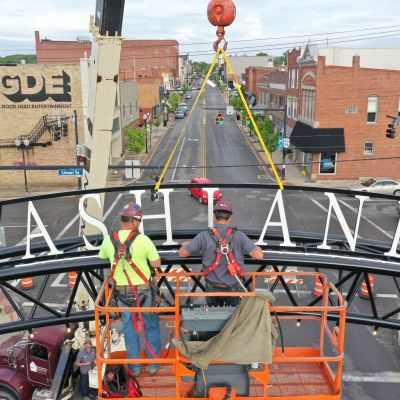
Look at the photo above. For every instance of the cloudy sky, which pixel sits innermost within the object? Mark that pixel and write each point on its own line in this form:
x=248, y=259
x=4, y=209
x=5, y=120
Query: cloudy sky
x=280, y=24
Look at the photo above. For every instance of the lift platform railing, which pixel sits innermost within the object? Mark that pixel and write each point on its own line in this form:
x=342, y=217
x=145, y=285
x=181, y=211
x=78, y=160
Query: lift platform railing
x=313, y=372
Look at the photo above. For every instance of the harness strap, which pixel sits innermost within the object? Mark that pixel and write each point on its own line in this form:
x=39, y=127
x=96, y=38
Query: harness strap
x=122, y=251
x=222, y=243
x=138, y=321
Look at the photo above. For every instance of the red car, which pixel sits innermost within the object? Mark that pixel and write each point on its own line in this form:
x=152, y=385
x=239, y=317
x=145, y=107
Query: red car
x=200, y=194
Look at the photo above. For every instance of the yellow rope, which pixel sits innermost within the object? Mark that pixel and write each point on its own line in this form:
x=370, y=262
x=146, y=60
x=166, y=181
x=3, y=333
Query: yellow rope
x=160, y=179
x=215, y=59
x=271, y=163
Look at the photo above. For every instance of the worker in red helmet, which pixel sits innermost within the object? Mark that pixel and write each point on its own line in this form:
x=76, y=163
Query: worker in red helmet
x=132, y=275
x=222, y=249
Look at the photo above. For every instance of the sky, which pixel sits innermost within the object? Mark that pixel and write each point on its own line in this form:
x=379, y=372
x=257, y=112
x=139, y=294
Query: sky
x=340, y=23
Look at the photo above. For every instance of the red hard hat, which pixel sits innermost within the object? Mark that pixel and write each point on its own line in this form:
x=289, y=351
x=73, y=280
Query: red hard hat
x=132, y=210
x=223, y=206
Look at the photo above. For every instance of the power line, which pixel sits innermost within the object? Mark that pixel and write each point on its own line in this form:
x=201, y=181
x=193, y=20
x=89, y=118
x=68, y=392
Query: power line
x=276, y=46
x=240, y=40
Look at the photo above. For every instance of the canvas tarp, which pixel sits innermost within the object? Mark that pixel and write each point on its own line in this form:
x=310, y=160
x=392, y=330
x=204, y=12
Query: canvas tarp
x=249, y=336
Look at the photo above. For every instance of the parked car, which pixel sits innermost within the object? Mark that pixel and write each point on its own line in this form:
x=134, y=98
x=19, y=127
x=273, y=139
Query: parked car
x=181, y=109
x=183, y=105
x=200, y=194
x=378, y=185
x=180, y=113
x=188, y=97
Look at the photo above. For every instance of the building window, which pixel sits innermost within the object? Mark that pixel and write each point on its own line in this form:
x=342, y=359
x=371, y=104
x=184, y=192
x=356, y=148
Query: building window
x=289, y=78
x=293, y=80
x=289, y=107
x=327, y=164
x=372, y=109
x=351, y=110
x=368, y=148
x=295, y=108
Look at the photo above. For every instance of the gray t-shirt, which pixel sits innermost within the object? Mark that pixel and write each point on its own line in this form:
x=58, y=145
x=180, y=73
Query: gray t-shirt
x=203, y=244
x=85, y=356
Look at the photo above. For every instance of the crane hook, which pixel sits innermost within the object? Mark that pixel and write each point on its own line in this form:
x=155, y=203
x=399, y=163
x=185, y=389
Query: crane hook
x=221, y=13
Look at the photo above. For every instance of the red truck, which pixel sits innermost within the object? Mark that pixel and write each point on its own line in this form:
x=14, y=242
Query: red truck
x=38, y=366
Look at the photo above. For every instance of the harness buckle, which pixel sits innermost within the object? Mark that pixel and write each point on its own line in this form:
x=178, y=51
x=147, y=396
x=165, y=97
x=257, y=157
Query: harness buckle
x=224, y=249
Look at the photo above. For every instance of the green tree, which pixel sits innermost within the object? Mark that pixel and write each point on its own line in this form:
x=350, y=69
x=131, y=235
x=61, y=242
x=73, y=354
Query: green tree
x=157, y=122
x=135, y=139
x=174, y=100
x=267, y=133
x=201, y=68
x=185, y=88
x=16, y=59
x=279, y=60
x=262, y=54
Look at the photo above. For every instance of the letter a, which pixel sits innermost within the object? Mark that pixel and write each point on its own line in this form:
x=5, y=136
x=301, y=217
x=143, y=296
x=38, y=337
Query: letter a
x=42, y=233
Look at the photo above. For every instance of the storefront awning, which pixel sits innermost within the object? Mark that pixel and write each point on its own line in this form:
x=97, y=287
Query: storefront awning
x=317, y=140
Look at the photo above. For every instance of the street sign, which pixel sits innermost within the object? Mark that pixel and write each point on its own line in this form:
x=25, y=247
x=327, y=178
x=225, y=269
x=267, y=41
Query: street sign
x=229, y=110
x=71, y=172
x=286, y=143
x=79, y=150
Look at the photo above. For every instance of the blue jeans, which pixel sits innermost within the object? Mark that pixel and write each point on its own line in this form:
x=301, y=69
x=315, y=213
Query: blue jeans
x=84, y=384
x=222, y=301
x=151, y=325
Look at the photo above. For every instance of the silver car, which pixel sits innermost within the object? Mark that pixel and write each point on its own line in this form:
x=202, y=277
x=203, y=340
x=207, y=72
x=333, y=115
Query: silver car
x=378, y=185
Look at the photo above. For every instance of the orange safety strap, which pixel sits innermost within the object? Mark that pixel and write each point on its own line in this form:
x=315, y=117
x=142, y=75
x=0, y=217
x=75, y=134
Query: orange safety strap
x=223, y=249
x=138, y=321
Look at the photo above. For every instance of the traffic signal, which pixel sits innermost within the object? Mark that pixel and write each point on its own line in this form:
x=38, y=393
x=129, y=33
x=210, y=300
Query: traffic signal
x=391, y=131
x=56, y=134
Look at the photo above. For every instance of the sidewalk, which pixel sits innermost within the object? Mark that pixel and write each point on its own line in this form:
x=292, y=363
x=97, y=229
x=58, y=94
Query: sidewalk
x=293, y=175
x=115, y=177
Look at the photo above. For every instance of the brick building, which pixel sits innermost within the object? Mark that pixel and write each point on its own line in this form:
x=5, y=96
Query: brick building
x=36, y=126
x=239, y=65
x=343, y=97
x=136, y=55
x=252, y=77
x=277, y=98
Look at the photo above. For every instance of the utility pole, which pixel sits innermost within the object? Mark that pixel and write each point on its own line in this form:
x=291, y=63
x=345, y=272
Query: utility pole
x=284, y=141
x=103, y=83
x=75, y=120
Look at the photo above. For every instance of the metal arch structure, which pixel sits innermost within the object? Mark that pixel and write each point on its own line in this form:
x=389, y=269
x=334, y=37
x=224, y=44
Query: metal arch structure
x=348, y=268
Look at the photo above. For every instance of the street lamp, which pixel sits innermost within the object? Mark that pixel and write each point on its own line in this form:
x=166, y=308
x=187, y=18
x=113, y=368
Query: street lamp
x=23, y=144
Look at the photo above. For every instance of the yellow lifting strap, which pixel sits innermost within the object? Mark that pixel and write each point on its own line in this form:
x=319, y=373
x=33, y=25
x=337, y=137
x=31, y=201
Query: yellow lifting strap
x=214, y=61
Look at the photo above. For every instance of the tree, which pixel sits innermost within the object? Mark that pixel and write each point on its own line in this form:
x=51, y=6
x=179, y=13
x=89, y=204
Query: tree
x=262, y=54
x=280, y=60
x=135, y=139
x=185, y=88
x=201, y=68
x=157, y=122
x=16, y=59
x=267, y=133
x=174, y=100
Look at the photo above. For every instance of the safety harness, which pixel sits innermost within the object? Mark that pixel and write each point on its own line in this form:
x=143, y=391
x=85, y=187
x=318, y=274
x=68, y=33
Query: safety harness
x=222, y=243
x=123, y=254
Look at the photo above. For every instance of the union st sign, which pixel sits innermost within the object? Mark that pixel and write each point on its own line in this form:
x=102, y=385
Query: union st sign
x=277, y=208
